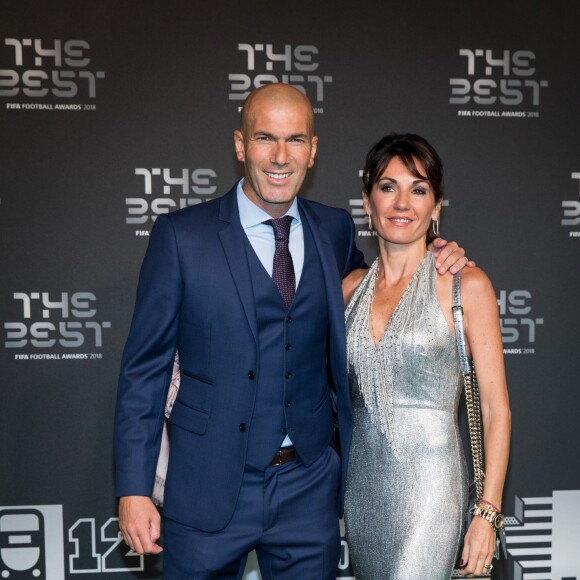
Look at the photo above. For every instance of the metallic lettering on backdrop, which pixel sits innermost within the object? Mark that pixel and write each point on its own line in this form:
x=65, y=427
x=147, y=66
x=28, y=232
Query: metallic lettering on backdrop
x=56, y=323
x=518, y=323
x=294, y=65
x=34, y=68
x=33, y=545
x=542, y=537
x=156, y=181
x=502, y=79
x=571, y=211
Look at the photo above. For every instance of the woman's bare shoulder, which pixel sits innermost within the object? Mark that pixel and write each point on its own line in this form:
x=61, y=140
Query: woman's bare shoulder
x=477, y=293
x=474, y=281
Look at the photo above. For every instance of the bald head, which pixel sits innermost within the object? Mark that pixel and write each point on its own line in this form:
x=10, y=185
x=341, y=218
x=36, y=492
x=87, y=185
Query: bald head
x=275, y=94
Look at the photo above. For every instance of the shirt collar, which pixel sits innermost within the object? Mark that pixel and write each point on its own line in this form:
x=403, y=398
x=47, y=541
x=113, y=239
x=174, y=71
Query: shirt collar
x=251, y=215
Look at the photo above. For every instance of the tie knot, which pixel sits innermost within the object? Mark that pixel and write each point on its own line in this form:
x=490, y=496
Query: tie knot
x=281, y=227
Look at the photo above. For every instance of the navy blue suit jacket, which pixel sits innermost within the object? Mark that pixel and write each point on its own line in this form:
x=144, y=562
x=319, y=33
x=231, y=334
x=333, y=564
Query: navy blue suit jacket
x=195, y=296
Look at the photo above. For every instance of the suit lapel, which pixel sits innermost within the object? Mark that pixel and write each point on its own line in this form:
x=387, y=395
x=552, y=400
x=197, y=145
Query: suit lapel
x=233, y=239
x=332, y=282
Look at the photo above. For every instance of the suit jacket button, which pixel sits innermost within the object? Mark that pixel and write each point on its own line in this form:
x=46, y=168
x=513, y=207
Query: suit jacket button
x=251, y=375
x=242, y=427
x=284, y=431
x=287, y=403
x=288, y=375
x=289, y=346
x=288, y=319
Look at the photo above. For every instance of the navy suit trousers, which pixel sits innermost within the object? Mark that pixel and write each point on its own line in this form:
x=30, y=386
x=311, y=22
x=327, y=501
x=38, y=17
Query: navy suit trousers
x=288, y=514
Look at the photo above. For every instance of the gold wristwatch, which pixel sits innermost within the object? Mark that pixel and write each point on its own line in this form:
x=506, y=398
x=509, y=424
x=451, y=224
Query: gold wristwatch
x=496, y=520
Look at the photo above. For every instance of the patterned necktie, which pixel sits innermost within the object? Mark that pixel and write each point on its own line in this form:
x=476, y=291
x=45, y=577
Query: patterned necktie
x=283, y=270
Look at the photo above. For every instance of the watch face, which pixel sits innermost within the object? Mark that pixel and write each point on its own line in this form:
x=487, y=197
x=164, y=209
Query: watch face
x=499, y=521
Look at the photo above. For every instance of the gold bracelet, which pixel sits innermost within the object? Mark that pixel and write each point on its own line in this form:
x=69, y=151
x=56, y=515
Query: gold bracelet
x=495, y=519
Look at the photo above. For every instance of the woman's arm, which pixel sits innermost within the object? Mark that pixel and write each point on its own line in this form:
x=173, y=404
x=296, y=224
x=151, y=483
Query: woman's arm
x=483, y=335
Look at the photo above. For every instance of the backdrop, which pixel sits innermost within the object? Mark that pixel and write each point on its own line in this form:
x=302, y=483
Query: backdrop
x=113, y=112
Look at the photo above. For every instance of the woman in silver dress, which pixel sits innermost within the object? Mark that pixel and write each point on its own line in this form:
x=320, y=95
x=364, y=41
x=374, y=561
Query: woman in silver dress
x=407, y=484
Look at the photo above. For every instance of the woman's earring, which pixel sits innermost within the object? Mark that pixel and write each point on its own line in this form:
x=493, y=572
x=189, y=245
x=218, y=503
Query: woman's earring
x=435, y=225
x=370, y=223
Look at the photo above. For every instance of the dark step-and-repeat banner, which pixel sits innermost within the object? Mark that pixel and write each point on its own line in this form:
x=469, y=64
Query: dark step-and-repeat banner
x=113, y=112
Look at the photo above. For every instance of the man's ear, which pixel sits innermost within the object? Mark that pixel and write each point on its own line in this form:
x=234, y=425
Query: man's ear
x=314, y=147
x=239, y=145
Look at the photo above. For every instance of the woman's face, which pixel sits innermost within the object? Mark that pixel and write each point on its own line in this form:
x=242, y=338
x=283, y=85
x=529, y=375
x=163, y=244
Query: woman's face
x=401, y=204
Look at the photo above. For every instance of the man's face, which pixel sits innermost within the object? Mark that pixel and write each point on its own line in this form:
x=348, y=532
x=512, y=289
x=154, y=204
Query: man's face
x=277, y=147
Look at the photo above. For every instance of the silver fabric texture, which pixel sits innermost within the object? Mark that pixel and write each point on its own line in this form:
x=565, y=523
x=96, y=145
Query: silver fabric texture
x=407, y=484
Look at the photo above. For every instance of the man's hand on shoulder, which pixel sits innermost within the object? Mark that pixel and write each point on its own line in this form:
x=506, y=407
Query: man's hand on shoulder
x=449, y=256
x=140, y=524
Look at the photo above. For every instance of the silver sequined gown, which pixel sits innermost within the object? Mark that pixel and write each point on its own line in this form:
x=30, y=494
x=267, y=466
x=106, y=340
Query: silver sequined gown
x=407, y=480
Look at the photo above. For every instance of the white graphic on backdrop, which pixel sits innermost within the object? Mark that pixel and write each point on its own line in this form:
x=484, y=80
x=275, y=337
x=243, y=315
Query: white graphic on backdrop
x=518, y=323
x=31, y=544
x=544, y=536
x=294, y=65
x=572, y=211
x=498, y=78
x=164, y=190
x=38, y=68
x=50, y=321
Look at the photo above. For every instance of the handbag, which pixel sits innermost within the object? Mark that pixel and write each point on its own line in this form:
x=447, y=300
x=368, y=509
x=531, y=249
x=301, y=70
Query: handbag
x=473, y=406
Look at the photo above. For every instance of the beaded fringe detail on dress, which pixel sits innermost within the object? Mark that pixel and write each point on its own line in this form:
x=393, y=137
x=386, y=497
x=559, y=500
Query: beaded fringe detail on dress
x=378, y=366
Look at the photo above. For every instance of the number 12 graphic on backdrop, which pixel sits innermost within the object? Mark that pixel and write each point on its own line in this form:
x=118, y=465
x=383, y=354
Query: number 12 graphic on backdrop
x=86, y=557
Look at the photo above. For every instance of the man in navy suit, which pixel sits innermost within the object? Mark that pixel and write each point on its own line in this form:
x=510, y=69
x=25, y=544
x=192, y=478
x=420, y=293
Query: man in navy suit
x=252, y=464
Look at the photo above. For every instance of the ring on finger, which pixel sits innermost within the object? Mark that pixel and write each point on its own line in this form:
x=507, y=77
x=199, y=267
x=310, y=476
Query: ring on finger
x=488, y=567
